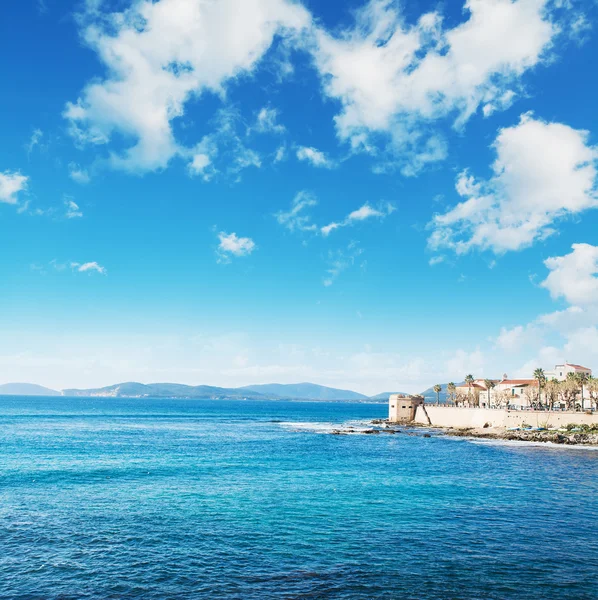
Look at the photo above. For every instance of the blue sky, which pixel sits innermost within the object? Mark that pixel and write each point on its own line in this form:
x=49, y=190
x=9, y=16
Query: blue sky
x=372, y=195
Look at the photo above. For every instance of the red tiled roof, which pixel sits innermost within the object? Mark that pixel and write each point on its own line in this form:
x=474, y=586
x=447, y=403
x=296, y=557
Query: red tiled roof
x=473, y=385
x=577, y=367
x=520, y=382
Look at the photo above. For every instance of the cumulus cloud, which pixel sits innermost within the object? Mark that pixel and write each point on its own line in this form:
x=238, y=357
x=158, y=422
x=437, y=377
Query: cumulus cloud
x=12, y=183
x=315, y=157
x=231, y=245
x=159, y=55
x=396, y=79
x=296, y=218
x=562, y=334
x=542, y=173
x=361, y=214
x=574, y=276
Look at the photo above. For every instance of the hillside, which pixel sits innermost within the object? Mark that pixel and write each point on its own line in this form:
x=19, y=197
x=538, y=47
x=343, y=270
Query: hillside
x=304, y=391
x=384, y=396
x=164, y=390
x=273, y=391
x=26, y=389
x=430, y=394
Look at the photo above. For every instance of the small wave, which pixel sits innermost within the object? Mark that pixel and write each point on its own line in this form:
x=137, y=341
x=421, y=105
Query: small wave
x=523, y=443
x=326, y=427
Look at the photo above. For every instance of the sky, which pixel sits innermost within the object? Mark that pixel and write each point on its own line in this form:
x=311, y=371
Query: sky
x=373, y=195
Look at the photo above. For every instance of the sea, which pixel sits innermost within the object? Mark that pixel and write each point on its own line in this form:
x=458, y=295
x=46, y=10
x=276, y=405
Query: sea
x=159, y=499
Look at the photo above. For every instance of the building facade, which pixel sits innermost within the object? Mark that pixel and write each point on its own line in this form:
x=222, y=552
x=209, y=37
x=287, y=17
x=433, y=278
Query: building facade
x=561, y=372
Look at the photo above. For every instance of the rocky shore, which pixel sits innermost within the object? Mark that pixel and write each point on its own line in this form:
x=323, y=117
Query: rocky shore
x=569, y=436
x=573, y=437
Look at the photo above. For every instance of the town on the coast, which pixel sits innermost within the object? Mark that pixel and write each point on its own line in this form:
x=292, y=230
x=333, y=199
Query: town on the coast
x=563, y=398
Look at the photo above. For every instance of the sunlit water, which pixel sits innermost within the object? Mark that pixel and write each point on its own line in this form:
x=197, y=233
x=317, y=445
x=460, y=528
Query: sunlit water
x=113, y=498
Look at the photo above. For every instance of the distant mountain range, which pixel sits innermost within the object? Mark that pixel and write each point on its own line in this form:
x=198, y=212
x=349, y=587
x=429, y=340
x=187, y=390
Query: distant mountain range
x=309, y=391
x=26, y=389
x=268, y=391
x=384, y=395
x=430, y=394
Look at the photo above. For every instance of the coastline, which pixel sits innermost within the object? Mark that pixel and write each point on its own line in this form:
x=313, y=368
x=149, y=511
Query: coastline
x=576, y=436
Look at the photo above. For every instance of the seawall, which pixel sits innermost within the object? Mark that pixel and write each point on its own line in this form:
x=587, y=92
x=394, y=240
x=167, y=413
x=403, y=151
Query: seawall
x=453, y=416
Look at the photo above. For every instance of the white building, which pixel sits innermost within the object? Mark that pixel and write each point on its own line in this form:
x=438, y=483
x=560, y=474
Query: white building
x=561, y=371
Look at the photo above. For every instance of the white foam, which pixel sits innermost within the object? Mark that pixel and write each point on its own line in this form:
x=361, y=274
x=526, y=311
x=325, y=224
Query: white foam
x=523, y=443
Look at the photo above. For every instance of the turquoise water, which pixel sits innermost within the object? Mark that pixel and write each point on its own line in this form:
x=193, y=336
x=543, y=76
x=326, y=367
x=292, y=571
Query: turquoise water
x=114, y=498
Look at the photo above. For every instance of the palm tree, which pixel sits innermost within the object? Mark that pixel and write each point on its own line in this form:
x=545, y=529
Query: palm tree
x=489, y=385
x=593, y=389
x=469, y=381
x=568, y=390
x=582, y=379
x=451, y=388
x=437, y=388
x=540, y=377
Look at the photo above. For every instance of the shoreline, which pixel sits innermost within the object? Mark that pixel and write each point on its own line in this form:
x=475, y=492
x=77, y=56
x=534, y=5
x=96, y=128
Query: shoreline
x=577, y=436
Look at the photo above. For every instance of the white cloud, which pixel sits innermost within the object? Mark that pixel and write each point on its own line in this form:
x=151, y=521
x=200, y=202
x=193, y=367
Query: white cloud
x=72, y=209
x=436, y=260
x=280, y=154
x=574, y=276
x=340, y=260
x=222, y=152
x=542, y=173
x=462, y=363
x=12, y=183
x=267, y=121
x=367, y=211
x=159, y=55
x=88, y=267
x=76, y=173
x=232, y=245
x=396, y=79
x=568, y=334
x=296, y=218
x=314, y=156
x=34, y=141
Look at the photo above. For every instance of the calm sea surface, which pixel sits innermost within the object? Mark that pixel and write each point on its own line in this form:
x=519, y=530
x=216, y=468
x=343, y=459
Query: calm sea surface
x=115, y=498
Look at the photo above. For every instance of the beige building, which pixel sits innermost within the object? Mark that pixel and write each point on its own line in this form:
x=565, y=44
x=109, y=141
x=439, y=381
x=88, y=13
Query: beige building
x=516, y=393
x=402, y=409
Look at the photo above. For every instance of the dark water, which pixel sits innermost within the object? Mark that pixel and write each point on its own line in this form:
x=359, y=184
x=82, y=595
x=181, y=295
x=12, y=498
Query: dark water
x=107, y=498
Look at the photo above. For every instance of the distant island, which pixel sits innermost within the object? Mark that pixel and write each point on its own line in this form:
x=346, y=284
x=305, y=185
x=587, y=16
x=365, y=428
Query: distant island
x=26, y=389
x=268, y=391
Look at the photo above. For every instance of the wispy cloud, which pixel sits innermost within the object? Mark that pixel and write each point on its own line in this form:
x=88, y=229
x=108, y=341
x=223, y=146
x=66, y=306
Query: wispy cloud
x=222, y=152
x=367, y=211
x=34, y=141
x=340, y=260
x=76, y=173
x=72, y=208
x=314, y=157
x=266, y=121
x=88, y=267
x=297, y=219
